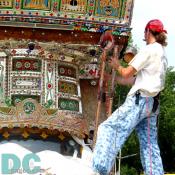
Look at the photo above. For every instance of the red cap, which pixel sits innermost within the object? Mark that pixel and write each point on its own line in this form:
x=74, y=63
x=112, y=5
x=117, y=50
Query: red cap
x=155, y=25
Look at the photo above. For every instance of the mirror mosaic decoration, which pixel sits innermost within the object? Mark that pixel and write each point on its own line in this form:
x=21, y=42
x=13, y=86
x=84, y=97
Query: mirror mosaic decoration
x=82, y=15
x=46, y=48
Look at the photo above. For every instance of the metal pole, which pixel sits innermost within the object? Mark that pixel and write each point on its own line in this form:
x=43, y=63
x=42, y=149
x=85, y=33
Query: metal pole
x=119, y=162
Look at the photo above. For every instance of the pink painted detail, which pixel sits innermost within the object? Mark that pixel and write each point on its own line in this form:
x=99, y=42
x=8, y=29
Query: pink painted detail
x=50, y=69
x=13, y=51
x=50, y=56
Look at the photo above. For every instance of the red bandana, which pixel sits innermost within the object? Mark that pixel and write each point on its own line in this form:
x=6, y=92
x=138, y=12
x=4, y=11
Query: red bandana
x=155, y=25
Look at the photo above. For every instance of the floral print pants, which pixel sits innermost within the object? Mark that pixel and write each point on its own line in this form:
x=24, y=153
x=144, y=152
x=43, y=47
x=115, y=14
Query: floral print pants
x=113, y=133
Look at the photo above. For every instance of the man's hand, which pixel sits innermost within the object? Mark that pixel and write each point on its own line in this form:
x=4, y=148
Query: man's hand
x=107, y=77
x=114, y=62
x=103, y=56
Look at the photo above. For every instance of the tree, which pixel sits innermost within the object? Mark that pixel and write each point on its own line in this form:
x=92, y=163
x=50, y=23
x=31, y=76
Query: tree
x=167, y=122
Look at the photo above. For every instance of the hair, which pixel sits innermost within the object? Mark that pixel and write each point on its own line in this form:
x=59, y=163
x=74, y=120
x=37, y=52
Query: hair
x=161, y=38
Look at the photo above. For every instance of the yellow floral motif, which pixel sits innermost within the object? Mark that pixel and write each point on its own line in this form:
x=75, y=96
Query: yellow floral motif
x=114, y=4
x=25, y=134
x=6, y=135
x=61, y=136
x=44, y=135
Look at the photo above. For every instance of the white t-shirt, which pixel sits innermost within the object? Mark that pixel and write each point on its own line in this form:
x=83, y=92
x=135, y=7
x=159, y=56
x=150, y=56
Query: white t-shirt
x=151, y=64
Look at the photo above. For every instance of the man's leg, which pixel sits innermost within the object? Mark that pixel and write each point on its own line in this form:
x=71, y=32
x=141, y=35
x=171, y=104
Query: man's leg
x=149, y=149
x=112, y=134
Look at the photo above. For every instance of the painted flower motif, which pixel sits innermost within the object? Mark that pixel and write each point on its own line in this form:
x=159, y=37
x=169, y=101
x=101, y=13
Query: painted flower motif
x=35, y=65
x=18, y=64
x=62, y=70
x=63, y=105
x=29, y=107
x=17, y=100
x=27, y=65
x=69, y=71
x=72, y=105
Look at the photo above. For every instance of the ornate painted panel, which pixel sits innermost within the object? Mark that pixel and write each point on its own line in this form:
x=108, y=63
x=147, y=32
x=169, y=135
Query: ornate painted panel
x=67, y=87
x=25, y=76
x=68, y=104
x=91, y=15
x=67, y=71
x=50, y=83
x=36, y=4
x=38, y=76
x=6, y=3
x=19, y=98
x=89, y=71
x=26, y=64
x=30, y=114
x=109, y=8
x=3, y=77
x=26, y=83
x=77, y=6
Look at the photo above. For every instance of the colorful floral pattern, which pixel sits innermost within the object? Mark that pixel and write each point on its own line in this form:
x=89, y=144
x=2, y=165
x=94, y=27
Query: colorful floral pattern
x=67, y=71
x=67, y=87
x=68, y=104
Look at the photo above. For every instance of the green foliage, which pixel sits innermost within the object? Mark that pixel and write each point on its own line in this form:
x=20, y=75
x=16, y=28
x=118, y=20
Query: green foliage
x=130, y=148
x=48, y=104
x=8, y=101
x=126, y=170
x=167, y=122
x=120, y=95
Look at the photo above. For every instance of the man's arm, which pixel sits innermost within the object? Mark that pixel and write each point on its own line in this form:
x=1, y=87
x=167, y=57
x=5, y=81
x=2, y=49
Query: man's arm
x=125, y=81
x=127, y=72
x=124, y=72
x=120, y=80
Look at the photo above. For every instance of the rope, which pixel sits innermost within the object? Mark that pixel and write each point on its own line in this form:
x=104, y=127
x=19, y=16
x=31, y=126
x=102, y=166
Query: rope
x=149, y=143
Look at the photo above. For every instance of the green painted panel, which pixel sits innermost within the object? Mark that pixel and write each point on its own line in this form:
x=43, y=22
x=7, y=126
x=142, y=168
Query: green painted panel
x=68, y=104
x=19, y=98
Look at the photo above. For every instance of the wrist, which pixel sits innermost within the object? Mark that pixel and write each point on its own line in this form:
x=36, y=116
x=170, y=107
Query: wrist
x=119, y=69
x=117, y=66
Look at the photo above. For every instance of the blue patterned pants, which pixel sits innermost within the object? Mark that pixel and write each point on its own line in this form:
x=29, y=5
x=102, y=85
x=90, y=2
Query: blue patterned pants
x=113, y=133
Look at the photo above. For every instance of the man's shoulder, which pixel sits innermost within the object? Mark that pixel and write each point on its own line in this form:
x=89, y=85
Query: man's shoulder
x=154, y=48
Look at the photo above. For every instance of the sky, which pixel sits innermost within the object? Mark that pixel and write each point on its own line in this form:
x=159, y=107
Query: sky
x=145, y=10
